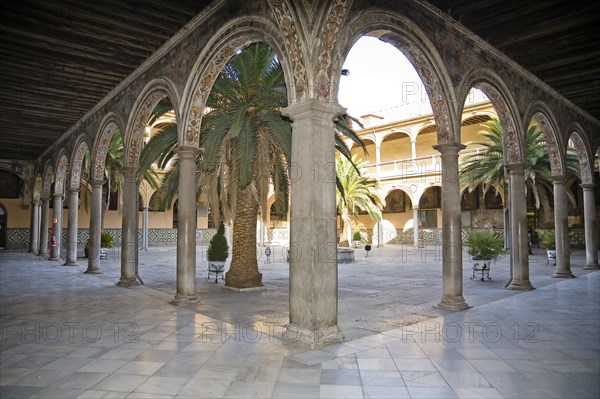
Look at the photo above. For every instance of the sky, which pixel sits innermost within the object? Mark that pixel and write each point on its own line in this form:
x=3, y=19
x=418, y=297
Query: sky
x=380, y=77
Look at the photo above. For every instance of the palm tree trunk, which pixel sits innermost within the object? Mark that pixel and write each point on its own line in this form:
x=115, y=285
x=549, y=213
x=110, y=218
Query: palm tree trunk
x=243, y=272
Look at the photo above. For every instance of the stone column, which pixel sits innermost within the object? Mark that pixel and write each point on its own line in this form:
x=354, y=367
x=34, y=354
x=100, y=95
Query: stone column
x=313, y=243
x=34, y=247
x=378, y=160
x=44, y=228
x=416, y=226
x=72, y=228
x=56, y=228
x=186, y=227
x=561, y=225
x=95, y=228
x=380, y=240
x=452, y=280
x=129, y=228
x=591, y=227
x=518, y=229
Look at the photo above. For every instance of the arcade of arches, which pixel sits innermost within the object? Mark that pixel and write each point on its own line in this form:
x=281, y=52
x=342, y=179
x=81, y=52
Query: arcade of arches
x=311, y=43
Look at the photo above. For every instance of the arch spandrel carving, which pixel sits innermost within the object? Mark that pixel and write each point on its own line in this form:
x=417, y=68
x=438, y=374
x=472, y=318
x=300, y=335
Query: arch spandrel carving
x=550, y=135
x=47, y=183
x=77, y=165
x=585, y=165
x=102, y=149
x=61, y=173
x=133, y=143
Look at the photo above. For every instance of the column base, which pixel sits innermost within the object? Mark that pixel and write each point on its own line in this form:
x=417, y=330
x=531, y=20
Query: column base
x=563, y=274
x=520, y=285
x=591, y=266
x=33, y=251
x=93, y=270
x=455, y=303
x=43, y=254
x=54, y=259
x=71, y=263
x=261, y=288
x=127, y=282
x=181, y=299
x=312, y=338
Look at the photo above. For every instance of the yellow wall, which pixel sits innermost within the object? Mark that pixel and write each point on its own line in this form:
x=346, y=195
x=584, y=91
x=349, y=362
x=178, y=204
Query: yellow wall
x=16, y=216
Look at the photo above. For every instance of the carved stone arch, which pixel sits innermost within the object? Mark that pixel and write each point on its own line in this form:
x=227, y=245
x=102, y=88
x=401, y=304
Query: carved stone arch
x=108, y=126
x=60, y=175
x=48, y=179
x=405, y=35
x=325, y=81
x=80, y=148
x=499, y=95
x=547, y=123
x=293, y=38
x=221, y=47
x=577, y=135
x=153, y=92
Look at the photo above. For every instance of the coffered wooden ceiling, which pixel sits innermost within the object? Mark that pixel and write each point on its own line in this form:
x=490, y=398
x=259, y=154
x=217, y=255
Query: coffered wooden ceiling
x=59, y=58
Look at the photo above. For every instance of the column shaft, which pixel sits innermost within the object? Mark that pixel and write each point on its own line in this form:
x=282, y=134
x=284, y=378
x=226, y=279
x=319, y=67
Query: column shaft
x=95, y=228
x=415, y=226
x=518, y=225
x=129, y=228
x=35, y=228
x=452, y=283
x=56, y=239
x=561, y=223
x=591, y=227
x=313, y=238
x=72, y=228
x=44, y=228
x=186, y=227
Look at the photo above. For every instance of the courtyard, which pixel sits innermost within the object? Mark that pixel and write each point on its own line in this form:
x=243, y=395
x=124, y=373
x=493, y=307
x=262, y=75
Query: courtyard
x=67, y=334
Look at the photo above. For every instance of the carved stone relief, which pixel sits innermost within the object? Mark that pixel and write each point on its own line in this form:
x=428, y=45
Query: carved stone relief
x=137, y=131
x=584, y=161
x=102, y=149
x=77, y=166
x=48, y=178
x=61, y=172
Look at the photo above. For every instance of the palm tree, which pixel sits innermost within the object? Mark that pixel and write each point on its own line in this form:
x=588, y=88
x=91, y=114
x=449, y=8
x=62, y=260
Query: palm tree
x=247, y=146
x=486, y=168
x=361, y=194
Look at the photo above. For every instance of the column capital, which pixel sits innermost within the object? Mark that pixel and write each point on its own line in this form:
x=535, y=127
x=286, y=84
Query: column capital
x=129, y=173
x=515, y=167
x=312, y=109
x=58, y=195
x=97, y=183
x=449, y=148
x=587, y=186
x=559, y=179
x=73, y=190
x=36, y=203
x=187, y=151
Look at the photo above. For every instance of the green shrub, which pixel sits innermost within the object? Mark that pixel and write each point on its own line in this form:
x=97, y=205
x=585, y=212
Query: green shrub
x=106, y=240
x=357, y=236
x=484, y=244
x=547, y=239
x=218, y=249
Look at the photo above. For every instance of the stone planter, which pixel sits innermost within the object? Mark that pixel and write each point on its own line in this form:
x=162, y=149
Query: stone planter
x=216, y=268
x=345, y=255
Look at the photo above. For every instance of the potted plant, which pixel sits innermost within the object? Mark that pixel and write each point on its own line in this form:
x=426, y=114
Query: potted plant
x=548, y=241
x=485, y=246
x=106, y=241
x=218, y=251
x=357, y=238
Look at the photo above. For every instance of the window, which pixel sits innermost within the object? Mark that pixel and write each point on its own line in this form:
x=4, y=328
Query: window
x=493, y=200
x=428, y=219
x=470, y=200
x=10, y=185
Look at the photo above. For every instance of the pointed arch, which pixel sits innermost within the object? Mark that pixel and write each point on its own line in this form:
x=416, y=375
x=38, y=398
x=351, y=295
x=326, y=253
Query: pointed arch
x=81, y=147
x=405, y=35
x=153, y=92
x=108, y=126
x=231, y=38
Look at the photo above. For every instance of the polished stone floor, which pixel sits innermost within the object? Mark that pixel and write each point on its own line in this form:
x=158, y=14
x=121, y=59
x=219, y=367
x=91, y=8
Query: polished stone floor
x=65, y=334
